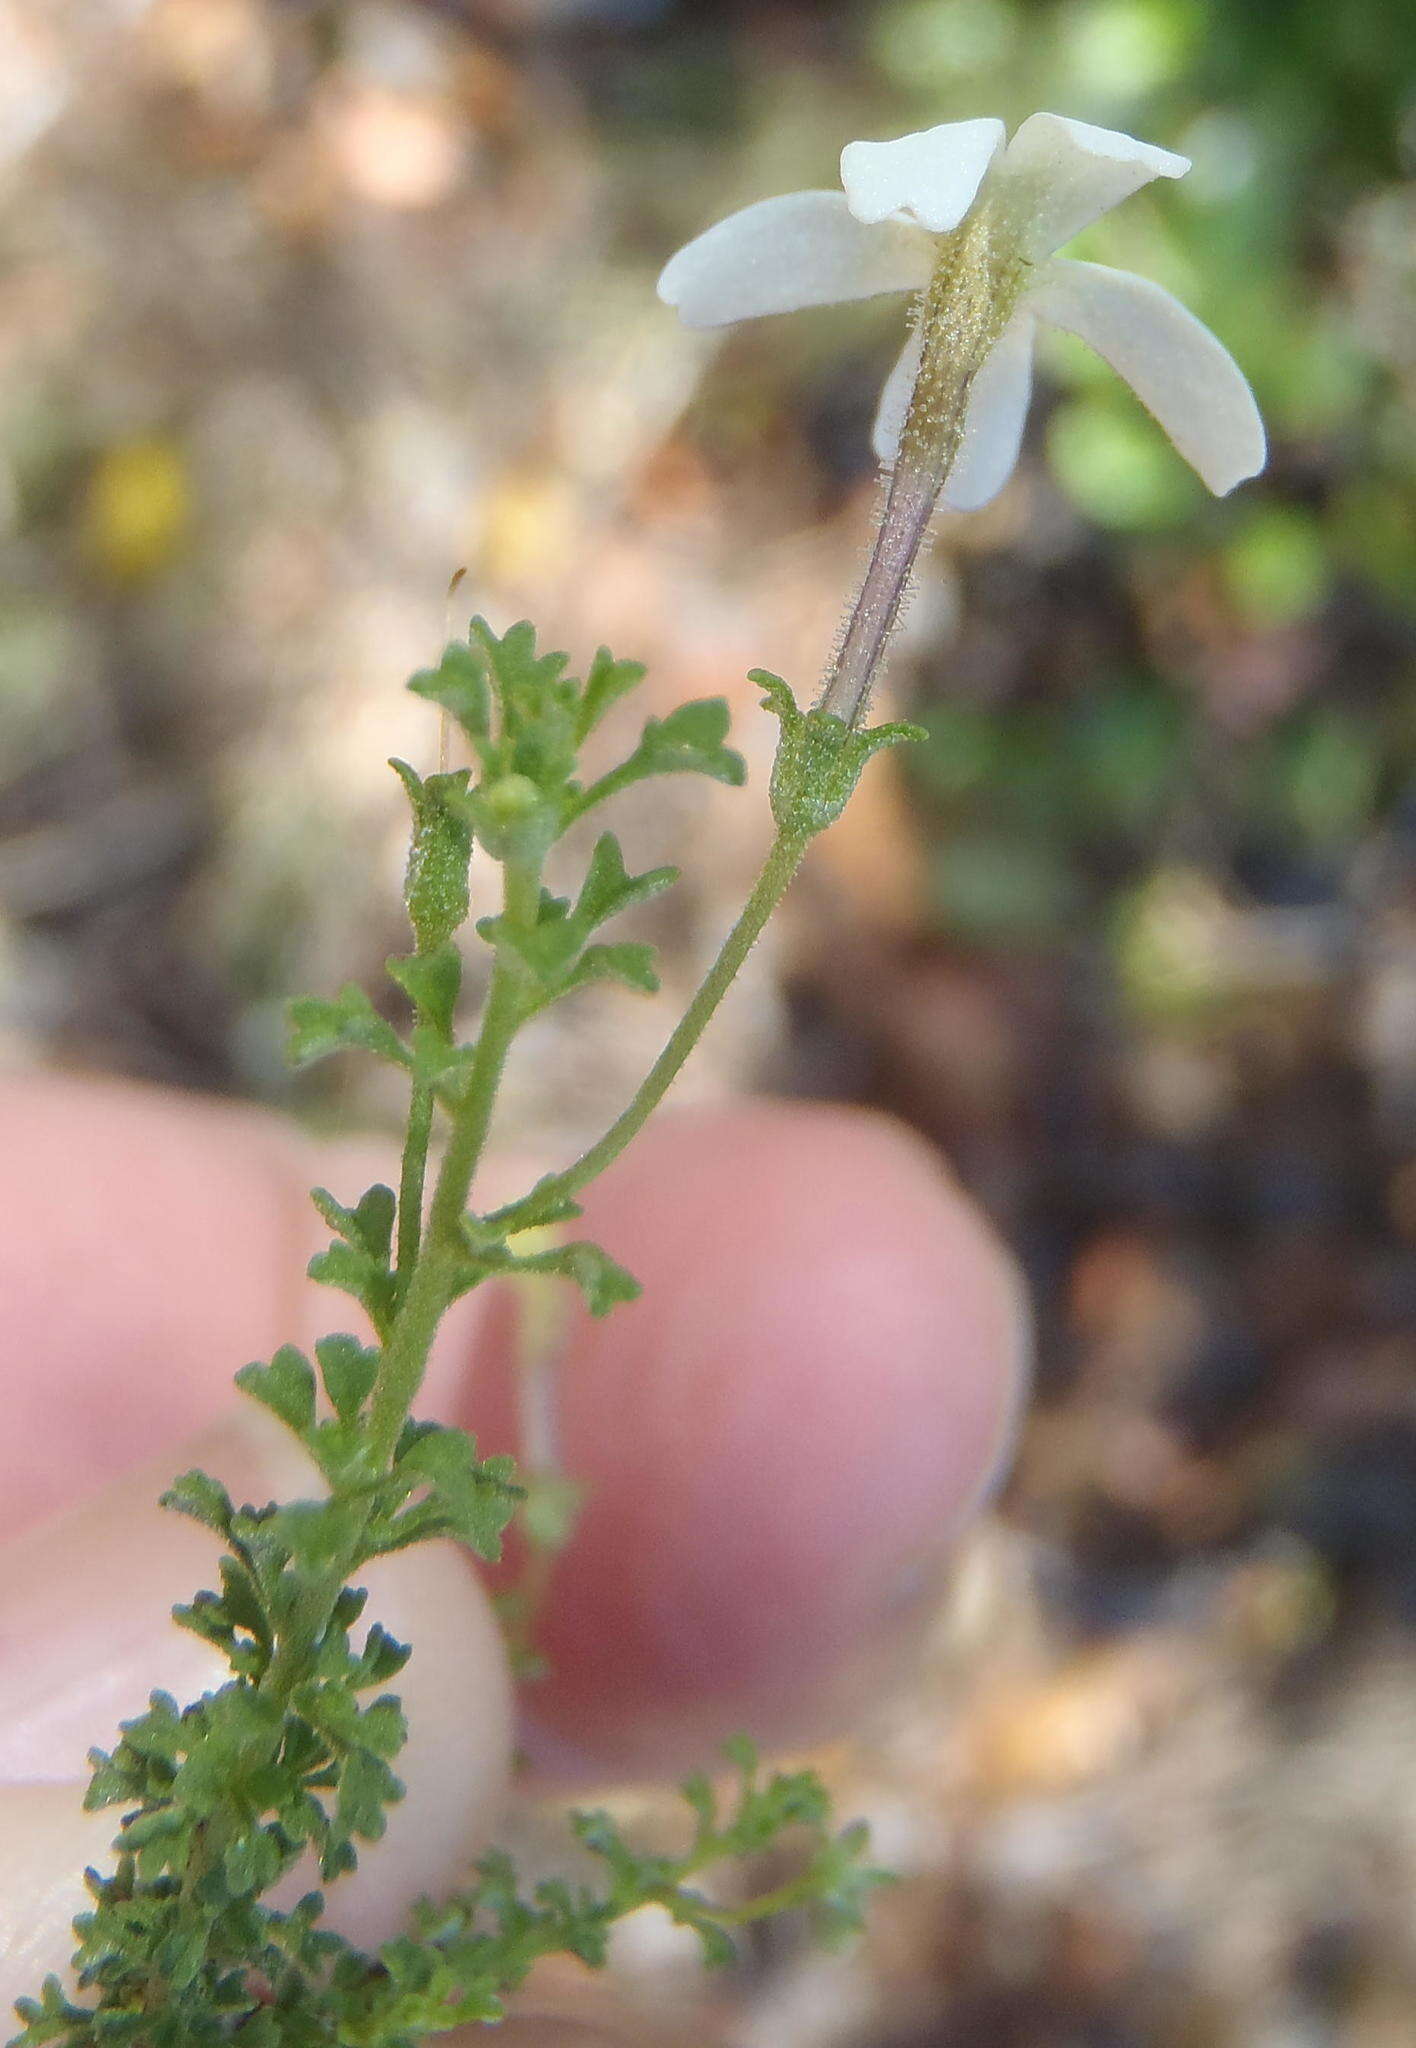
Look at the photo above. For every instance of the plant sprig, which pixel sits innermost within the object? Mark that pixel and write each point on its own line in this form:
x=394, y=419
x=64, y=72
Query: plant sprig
x=294, y=1756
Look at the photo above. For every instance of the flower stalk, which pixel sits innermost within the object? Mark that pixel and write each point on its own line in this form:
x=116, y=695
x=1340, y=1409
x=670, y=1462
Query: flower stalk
x=971, y=223
x=968, y=302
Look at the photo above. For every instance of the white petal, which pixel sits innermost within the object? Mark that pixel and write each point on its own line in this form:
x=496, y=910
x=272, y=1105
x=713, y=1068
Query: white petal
x=1172, y=362
x=895, y=400
x=931, y=177
x=993, y=424
x=1057, y=176
x=805, y=249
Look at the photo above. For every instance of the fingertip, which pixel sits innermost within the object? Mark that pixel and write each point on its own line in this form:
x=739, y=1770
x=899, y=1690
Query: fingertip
x=153, y=1242
x=90, y=1596
x=782, y=1438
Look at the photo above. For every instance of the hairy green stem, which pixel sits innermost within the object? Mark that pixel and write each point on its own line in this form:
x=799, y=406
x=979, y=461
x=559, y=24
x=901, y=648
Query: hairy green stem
x=965, y=308
x=411, y=1177
x=433, y=1279
x=771, y=885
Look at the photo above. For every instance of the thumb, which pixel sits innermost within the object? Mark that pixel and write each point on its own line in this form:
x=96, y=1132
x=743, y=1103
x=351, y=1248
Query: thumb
x=86, y=1633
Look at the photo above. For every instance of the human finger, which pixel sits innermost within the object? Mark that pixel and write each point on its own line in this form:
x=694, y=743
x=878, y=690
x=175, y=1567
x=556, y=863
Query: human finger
x=85, y=1622
x=779, y=1443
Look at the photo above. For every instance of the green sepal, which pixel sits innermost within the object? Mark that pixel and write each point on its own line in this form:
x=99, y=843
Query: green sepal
x=819, y=758
x=319, y=1027
x=435, y=887
x=432, y=981
x=460, y=685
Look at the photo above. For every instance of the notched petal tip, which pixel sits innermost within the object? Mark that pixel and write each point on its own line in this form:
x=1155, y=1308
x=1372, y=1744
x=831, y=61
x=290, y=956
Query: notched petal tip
x=931, y=177
x=1059, y=132
x=1060, y=175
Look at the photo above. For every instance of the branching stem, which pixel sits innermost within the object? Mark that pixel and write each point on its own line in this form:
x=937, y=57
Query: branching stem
x=771, y=885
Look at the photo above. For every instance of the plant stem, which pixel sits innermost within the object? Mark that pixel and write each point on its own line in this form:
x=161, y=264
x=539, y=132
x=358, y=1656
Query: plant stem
x=411, y=1177
x=771, y=885
x=870, y=626
x=434, y=1276
x=968, y=302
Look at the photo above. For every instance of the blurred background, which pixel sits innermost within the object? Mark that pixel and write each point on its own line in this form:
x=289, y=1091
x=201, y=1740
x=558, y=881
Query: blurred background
x=306, y=306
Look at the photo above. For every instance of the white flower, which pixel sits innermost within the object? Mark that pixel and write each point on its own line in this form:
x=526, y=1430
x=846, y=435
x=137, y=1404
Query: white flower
x=885, y=232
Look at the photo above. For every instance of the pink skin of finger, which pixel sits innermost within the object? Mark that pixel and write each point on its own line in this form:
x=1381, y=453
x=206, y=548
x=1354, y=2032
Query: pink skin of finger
x=779, y=1442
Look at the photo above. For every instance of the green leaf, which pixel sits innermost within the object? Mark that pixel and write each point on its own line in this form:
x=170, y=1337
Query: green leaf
x=355, y=1272
x=319, y=1028
x=523, y=678
x=555, y=948
x=432, y=981
x=382, y=1658
x=203, y=1499
x=460, y=685
x=367, y=1787
x=317, y=1533
x=539, y=706
x=630, y=962
x=545, y=1204
x=373, y=1221
x=607, y=682
x=690, y=742
x=697, y=1791
x=242, y=1599
x=604, y=1283
x=443, y=1066
x=368, y=1225
x=348, y=1369
x=719, y=1948
x=609, y=888
x=286, y=1386
x=473, y=1498
x=382, y=1727
x=548, y=947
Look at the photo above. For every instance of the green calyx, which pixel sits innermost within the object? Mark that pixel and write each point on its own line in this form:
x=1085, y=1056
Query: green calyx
x=440, y=849
x=819, y=759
